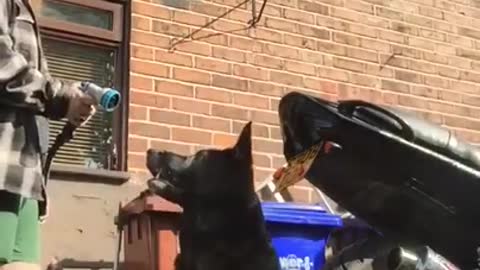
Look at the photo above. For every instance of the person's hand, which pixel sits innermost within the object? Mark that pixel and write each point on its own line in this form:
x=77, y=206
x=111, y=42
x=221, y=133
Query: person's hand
x=80, y=107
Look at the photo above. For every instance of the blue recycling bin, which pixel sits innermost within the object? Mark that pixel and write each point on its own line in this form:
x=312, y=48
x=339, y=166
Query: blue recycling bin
x=299, y=233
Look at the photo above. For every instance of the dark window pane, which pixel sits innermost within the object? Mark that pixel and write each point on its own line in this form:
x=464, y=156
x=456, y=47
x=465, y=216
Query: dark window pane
x=92, y=144
x=77, y=14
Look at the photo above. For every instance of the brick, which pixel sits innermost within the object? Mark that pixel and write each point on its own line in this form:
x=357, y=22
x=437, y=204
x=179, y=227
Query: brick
x=300, y=67
x=168, y=28
x=279, y=24
x=445, y=49
x=298, y=15
x=352, y=92
x=363, y=55
x=459, y=122
x=207, y=8
x=446, y=71
x=470, y=54
x=137, y=112
x=136, y=160
x=360, y=6
x=250, y=72
x=470, y=76
x=179, y=148
x=363, y=80
x=362, y=30
x=468, y=32
x=348, y=65
x=192, y=106
x=150, y=39
x=224, y=140
x=380, y=71
x=285, y=78
x=149, y=68
x=208, y=93
x=141, y=83
x=460, y=63
x=228, y=54
x=268, y=35
x=141, y=23
x=281, y=51
x=313, y=32
x=404, y=28
x=418, y=20
x=444, y=26
x=270, y=118
x=276, y=11
x=411, y=101
x=408, y=76
x=209, y=123
x=229, y=82
x=261, y=160
x=148, y=99
x=175, y=58
x=435, y=57
x=460, y=41
x=212, y=65
x=229, y=112
x=170, y=117
x=240, y=15
x=313, y=7
x=388, y=13
x=468, y=99
x=251, y=101
x=138, y=145
x=149, y=130
x=246, y=44
x=150, y=10
x=312, y=57
x=346, y=14
x=391, y=36
x=321, y=85
x=288, y=3
x=265, y=88
x=395, y=86
x=258, y=130
x=432, y=34
x=333, y=74
x=395, y=61
x=300, y=42
x=406, y=51
x=268, y=61
x=331, y=47
x=331, y=23
x=464, y=87
x=346, y=39
x=211, y=37
x=300, y=195
x=194, y=48
x=422, y=66
x=421, y=43
x=424, y=91
x=189, y=18
x=190, y=75
x=274, y=103
x=173, y=88
x=431, y=12
x=191, y=136
x=267, y=146
x=437, y=82
x=451, y=97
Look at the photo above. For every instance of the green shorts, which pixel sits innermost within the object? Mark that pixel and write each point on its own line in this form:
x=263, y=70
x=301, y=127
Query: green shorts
x=19, y=229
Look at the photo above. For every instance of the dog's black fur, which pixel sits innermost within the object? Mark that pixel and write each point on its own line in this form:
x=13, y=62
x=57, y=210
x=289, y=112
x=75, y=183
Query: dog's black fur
x=222, y=226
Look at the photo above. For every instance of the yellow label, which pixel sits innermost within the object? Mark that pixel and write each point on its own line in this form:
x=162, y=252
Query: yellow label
x=297, y=167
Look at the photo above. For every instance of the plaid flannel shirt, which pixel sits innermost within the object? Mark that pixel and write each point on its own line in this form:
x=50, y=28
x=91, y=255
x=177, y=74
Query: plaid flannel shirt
x=28, y=98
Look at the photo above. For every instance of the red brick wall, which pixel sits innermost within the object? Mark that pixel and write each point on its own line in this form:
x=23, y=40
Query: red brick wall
x=418, y=54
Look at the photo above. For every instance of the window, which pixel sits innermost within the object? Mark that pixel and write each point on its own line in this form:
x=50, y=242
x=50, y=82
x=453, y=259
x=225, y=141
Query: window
x=86, y=40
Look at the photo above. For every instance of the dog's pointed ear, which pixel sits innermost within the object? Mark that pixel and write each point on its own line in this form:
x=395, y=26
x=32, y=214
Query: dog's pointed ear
x=243, y=147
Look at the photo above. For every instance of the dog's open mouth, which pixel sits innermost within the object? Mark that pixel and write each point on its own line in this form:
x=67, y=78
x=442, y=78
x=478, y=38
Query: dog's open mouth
x=162, y=182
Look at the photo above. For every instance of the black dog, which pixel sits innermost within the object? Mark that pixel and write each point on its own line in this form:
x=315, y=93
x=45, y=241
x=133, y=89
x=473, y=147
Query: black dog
x=222, y=226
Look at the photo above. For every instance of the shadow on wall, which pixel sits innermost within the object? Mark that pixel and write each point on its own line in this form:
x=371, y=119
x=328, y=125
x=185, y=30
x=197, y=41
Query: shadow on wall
x=70, y=264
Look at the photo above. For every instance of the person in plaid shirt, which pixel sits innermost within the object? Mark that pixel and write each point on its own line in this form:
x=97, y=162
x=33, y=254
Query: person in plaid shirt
x=29, y=97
